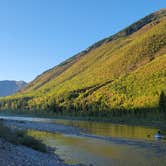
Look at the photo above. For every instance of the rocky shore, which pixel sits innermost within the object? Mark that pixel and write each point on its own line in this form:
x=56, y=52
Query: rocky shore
x=40, y=126
x=18, y=155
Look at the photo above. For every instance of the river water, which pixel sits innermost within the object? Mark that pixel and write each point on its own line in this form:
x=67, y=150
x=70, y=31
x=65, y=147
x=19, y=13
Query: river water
x=129, y=145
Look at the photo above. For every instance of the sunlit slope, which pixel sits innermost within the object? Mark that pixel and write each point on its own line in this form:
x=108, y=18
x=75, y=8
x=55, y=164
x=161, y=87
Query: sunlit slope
x=109, y=61
x=99, y=53
x=125, y=70
x=140, y=88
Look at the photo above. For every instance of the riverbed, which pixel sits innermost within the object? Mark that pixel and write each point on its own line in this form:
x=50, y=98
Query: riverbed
x=96, y=143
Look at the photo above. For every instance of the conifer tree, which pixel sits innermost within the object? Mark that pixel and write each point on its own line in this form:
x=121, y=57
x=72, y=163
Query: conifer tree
x=162, y=101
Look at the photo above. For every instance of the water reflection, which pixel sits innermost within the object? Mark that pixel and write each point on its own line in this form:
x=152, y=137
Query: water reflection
x=102, y=129
x=76, y=149
x=113, y=130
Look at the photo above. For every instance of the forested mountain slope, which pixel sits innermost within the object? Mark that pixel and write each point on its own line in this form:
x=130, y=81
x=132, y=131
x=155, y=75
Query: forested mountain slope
x=126, y=70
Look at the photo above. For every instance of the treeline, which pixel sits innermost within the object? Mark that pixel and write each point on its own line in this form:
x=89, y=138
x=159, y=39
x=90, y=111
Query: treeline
x=67, y=107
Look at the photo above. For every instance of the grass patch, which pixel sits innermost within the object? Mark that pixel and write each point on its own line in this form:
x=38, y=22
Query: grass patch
x=20, y=137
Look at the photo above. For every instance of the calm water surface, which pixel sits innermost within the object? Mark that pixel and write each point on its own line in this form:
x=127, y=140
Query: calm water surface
x=99, y=128
x=76, y=149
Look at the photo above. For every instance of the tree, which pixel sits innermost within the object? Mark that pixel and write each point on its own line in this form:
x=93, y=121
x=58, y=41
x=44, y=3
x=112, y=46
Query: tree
x=162, y=101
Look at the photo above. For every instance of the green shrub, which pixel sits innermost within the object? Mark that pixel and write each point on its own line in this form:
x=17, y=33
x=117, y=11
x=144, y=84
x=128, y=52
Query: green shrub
x=20, y=137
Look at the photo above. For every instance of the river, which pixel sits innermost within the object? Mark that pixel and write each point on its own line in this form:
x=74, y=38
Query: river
x=128, y=145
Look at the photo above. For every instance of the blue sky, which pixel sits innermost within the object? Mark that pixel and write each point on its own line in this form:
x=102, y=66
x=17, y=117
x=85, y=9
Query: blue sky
x=36, y=35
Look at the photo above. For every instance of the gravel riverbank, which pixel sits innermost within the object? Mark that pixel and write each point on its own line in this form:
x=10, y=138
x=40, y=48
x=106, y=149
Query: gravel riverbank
x=18, y=155
x=49, y=127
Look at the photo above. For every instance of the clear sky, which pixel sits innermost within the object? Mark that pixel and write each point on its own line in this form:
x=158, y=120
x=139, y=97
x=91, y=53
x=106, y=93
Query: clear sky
x=36, y=35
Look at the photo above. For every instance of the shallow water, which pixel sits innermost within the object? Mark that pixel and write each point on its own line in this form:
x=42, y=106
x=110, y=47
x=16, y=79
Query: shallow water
x=113, y=130
x=99, y=128
x=79, y=149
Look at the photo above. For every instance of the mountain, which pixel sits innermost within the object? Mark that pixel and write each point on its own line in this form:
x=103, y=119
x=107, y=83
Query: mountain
x=9, y=87
x=126, y=70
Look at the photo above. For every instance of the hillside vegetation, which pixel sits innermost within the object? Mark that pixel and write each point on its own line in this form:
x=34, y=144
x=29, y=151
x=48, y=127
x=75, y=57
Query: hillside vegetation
x=126, y=71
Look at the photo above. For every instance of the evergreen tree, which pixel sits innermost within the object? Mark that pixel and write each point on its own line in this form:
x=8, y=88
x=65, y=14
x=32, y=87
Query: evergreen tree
x=162, y=101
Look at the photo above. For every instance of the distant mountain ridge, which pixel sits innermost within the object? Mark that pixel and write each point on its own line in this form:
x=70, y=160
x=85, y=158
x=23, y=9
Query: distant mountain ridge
x=10, y=87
